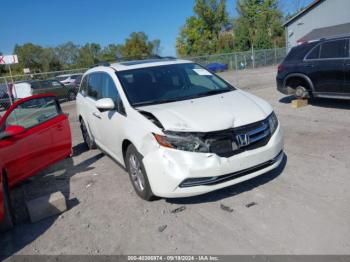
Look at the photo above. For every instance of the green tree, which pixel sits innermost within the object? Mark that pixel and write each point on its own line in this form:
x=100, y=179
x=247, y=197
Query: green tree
x=201, y=33
x=36, y=58
x=67, y=54
x=49, y=60
x=88, y=55
x=259, y=24
x=29, y=56
x=138, y=46
x=226, y=42
x=111, y=52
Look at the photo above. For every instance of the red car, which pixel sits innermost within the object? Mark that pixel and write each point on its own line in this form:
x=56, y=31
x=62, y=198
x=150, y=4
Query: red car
x=34, y=133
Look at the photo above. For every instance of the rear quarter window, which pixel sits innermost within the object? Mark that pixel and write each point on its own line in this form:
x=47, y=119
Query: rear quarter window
x=299, y=52
x=314, y=54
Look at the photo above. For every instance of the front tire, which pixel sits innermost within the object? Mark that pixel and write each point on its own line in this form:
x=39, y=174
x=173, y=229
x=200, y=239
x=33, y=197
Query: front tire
x=7, y=223
x=137, y=174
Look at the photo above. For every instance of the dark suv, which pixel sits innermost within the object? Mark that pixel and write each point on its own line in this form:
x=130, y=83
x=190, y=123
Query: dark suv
x=317, y=69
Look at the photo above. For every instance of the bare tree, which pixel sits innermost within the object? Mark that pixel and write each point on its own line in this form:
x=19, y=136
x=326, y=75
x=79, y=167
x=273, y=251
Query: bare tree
x=292, y=6
x=298, y=5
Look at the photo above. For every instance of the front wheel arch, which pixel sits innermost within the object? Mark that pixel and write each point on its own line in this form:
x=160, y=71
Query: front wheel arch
x=88, y=140
x=126, y=143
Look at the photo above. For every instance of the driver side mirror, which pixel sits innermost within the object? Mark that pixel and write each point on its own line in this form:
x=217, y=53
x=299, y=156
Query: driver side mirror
x=105, y=104
x=12, y=131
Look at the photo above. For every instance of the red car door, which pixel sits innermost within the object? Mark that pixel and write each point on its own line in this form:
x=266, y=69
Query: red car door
x=35, y=134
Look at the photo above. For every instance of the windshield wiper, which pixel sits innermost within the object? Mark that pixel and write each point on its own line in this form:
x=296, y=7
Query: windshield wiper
x=211, y=92
x=153, y=102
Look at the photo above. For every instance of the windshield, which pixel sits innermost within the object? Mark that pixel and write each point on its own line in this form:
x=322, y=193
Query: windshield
x=161, y=84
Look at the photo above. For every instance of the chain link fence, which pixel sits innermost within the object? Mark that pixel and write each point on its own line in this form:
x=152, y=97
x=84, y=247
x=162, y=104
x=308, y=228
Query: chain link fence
x=7, y=92
x=243, y=60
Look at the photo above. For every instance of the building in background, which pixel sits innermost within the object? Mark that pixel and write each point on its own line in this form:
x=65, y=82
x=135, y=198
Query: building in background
x=322, y=18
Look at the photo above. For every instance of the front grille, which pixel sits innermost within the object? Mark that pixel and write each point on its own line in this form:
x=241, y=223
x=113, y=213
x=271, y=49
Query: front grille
x=208, y=181
x=226, y=143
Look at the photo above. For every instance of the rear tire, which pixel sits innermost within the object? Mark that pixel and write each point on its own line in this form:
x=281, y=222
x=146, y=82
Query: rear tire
x=137, y=174
x=7, y=223
x=88, y=140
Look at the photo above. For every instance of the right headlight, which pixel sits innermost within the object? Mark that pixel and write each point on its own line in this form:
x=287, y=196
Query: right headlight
x=183, y=141
x=273, y=122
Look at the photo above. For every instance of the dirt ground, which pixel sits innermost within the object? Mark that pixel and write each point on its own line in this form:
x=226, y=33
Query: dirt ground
x=303, y=207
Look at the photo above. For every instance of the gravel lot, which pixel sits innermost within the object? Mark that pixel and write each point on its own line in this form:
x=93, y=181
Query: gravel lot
x=301, y=208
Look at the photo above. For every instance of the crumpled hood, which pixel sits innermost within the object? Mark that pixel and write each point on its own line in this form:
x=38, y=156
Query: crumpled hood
x=211, y=113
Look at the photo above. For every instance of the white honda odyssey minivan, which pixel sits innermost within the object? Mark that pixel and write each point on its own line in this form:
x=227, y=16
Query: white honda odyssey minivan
x=177, y=128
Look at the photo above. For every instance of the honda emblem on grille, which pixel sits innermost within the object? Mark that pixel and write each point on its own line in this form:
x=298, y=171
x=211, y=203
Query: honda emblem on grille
x=243, y=140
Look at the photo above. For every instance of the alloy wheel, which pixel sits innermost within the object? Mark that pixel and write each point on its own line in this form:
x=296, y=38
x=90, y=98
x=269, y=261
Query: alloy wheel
x=136, y=173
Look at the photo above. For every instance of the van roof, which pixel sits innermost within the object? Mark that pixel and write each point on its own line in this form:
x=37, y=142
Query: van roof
x=136, y=64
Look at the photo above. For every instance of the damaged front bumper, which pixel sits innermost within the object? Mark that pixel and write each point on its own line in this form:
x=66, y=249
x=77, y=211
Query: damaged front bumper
x=175, y=173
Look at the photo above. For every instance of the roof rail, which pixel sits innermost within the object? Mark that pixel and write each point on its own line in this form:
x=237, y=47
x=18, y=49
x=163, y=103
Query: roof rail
x=137, y=58
x=168, y=57
x=345, y=35
x=332, y=37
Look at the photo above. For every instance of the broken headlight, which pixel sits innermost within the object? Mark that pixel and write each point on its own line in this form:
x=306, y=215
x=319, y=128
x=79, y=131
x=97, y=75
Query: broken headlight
x=273, y=122
x=183, y=141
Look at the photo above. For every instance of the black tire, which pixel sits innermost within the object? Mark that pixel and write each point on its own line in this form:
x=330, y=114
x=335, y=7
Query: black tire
x=7, y=223
x=140, y=180
x=71, y=96
x=89, y=142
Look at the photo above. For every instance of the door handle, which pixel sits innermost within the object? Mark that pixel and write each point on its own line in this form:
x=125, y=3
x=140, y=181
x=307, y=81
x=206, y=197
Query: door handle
x=309, y=65
x=96, y=115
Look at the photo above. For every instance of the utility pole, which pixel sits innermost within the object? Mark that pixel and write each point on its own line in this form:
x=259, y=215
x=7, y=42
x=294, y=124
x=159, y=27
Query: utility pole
x=236, y=65
x=253, y=57
x=275, y=54
x=12, y=85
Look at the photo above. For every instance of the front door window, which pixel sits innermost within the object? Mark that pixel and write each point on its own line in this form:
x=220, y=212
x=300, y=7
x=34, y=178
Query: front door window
x=33, y=112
